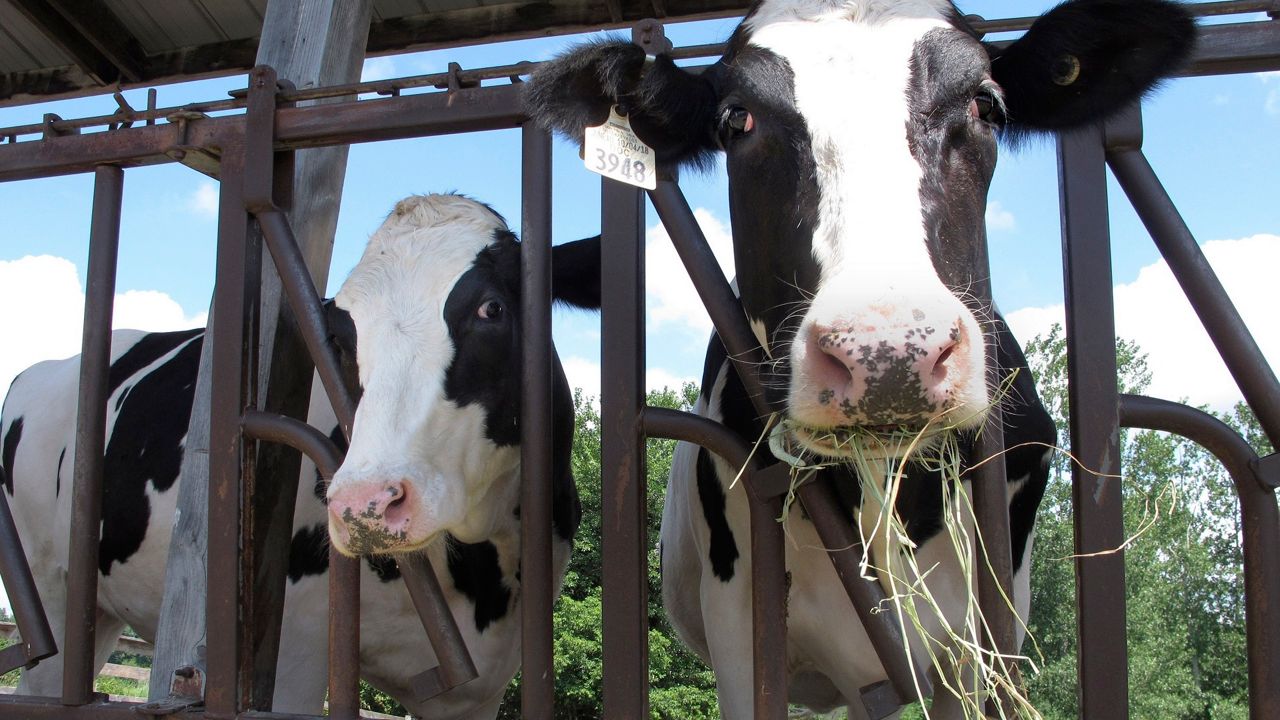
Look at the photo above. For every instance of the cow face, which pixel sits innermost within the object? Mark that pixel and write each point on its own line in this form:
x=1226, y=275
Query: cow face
x=434, y=309
x=860, y=140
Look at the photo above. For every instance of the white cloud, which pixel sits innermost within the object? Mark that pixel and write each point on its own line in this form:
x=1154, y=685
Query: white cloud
x=47, y=311
x=1272, y=103
x=1153, y=312
x=998, y=218
x=583, y=374
x=204, y=201
x=671, y=297
x=659, y=379
x=379, y=68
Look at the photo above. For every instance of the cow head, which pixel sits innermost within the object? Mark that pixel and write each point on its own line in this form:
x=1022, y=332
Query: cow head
x=433, y=312
x=860, y=140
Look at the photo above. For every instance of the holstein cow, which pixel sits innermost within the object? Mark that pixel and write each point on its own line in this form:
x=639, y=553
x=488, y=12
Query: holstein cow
x=860, y=138
x=431, y=317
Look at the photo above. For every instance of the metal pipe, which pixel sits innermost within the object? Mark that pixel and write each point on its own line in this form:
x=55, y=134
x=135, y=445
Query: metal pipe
x=344, y=572
x=1095, y=428
x=305, y=302
x=537, y=586
x=622, y=454
x=33, y=625
x=91, y=429
x=230, y=334
x=1244, y=359
x=455, y=666
x=1260, y=526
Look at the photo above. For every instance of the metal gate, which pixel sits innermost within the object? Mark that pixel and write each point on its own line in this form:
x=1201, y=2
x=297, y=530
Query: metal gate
x=250, y=153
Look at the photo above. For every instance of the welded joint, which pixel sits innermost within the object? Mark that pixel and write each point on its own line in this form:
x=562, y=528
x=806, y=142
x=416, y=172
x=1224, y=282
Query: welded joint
x=1267, y=470
x=50, y=123
x=454, y=81
x=262, y=101
x=880, y=700
x=197, y=158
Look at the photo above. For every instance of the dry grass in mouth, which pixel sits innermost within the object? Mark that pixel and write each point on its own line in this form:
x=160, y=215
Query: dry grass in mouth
x=880, y=456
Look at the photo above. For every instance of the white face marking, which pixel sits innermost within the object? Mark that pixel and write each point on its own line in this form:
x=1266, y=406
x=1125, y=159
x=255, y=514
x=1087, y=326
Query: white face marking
x=851, y=62
x=405, y=427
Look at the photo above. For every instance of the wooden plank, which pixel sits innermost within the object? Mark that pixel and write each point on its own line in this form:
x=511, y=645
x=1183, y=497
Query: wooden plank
x=126, y=672
x=316, y=42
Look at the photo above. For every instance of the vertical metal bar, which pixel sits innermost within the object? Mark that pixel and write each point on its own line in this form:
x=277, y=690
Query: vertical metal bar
x=622, y=455
x=344, y=636
x=91, y=428
x=537, y=589
x=768, y=607
x=230, y=335
x=1092, y=393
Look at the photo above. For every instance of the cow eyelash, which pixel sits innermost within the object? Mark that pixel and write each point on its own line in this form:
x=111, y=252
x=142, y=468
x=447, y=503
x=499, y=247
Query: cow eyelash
x=987, y=105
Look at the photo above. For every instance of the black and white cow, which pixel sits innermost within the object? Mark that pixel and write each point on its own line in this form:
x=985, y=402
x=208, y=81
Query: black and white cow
x=431, y=317
x=860, y=140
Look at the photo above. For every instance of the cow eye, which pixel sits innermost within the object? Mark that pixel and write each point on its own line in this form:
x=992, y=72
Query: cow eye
x=984, y=106
x=738, y=121
x=491, y=310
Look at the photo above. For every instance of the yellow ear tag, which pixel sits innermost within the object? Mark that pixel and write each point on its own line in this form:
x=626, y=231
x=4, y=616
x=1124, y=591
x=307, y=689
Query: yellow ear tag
x=614, y=151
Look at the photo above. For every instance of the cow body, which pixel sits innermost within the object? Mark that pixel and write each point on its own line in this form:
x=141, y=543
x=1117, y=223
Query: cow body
x=860, y=141
x=153, y=375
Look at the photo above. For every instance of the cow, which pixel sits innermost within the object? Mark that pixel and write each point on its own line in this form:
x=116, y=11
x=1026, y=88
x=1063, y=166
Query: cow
x=860, y=139
x=430, y=317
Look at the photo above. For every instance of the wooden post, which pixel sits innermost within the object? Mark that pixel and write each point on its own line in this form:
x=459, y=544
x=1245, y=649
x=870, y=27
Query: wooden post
x=310, y=43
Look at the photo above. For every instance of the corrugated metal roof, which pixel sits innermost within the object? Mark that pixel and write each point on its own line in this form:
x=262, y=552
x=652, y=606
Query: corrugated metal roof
x=61, y=48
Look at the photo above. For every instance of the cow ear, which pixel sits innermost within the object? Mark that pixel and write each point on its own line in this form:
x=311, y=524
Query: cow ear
x=670, y=109
x=1086, y=59
x=575, y=273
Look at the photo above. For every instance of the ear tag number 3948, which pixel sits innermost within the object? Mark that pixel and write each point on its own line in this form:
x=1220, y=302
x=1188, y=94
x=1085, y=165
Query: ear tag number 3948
x=614, y=151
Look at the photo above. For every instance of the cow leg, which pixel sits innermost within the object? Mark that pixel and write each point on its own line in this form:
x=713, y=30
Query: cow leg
x=726, y=612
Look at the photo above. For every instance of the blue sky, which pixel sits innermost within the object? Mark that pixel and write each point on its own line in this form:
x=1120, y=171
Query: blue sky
x=1211, y=140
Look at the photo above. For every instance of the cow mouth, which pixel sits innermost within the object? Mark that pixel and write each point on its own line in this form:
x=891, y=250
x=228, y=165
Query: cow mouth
x=892, y=441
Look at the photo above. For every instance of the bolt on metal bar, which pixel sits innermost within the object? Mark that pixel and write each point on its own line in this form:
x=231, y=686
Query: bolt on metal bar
x=622, y=454
x=91, y=430
x=344, y=572
x=1095, y=429
x=537, y=587
x=1244, y=359
x=1260, y=529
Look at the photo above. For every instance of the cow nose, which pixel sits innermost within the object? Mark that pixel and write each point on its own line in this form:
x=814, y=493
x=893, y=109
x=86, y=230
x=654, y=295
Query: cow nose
x=370, y=515
x=885, y=371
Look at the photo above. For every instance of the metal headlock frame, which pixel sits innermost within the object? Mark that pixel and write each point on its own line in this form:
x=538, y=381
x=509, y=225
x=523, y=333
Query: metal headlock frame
x=249, y=154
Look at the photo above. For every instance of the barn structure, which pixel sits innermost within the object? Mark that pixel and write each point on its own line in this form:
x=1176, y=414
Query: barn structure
x=302, y=106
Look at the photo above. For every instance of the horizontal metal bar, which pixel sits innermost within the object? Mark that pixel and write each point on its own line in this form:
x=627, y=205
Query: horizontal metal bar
x=297, y=435
x=469, y=110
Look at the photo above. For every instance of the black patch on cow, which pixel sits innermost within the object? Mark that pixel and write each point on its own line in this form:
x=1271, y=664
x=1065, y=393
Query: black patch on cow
x=486, y=369
x=145, y=444
x=342, y=338
x=321, y=488
x=384, y=566
x=150, y=348
x=309, y=552
x=477, y=574
x=11, y=440
x=724, y=550
x=57, y=478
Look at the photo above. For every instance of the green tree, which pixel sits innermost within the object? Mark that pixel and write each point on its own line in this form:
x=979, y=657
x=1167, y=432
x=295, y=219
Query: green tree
x=1184, y=588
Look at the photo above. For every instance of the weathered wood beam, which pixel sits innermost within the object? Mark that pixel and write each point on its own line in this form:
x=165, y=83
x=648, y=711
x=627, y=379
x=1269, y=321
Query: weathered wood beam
x=316, y=42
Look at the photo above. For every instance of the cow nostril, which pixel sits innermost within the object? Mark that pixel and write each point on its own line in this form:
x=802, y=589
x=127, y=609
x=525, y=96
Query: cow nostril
x=396, y=491
x=940, y=366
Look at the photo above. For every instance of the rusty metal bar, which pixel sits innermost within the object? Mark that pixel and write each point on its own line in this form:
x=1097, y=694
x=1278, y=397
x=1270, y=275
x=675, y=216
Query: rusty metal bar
x=622, y=454
x=33, y=625
x=1095, y=429
x=1260, y=526
x=231, y=332
x=344, y=572
x=91, y=430
x=1240, y=352
x=455, y=666
x=537, y=585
